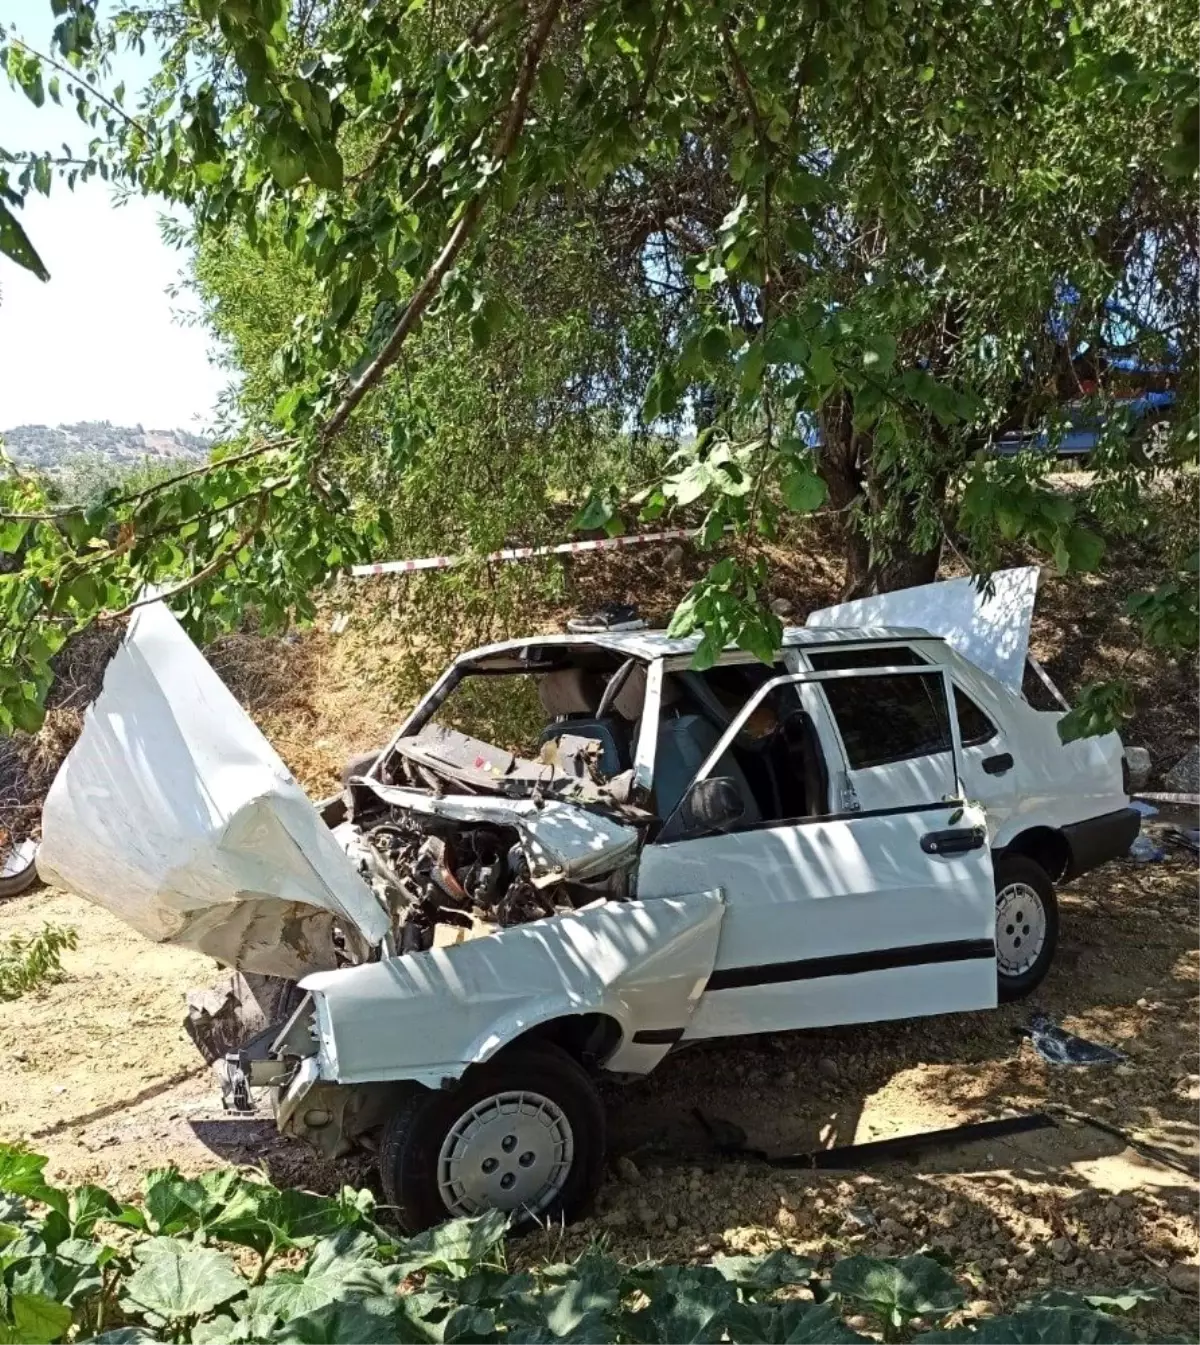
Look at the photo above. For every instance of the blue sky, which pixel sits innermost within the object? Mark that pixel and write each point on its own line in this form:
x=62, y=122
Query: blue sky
x=98, y=341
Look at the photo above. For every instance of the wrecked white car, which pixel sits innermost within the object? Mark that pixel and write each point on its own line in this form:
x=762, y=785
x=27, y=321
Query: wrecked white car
x=869, y=829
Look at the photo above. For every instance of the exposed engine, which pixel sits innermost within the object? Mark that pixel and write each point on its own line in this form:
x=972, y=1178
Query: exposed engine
x=443, y=883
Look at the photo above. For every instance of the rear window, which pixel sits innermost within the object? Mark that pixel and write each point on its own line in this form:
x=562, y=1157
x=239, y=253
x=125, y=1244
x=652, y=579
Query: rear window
x=974, y=726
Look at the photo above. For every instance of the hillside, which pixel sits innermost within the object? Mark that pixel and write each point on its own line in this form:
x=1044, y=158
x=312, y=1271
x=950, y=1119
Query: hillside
x=50, y=448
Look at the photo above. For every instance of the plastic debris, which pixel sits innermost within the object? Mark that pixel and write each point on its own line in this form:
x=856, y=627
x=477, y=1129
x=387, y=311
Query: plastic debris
x=1060, y=1047
x=1145, y=851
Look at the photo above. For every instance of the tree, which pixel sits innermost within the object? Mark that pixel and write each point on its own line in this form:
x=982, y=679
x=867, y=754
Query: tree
x=865, y=240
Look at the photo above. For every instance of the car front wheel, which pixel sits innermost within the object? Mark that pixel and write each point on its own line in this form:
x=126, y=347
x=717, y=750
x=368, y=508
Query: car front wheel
x=523, y=1133
x=1026, y=926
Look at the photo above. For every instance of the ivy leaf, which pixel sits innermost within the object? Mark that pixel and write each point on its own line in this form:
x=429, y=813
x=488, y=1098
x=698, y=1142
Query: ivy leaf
x=897, y=1288
x=177, y=1279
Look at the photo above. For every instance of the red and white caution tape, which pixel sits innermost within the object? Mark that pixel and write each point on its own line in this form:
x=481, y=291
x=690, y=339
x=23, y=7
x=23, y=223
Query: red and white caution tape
x=522, y=553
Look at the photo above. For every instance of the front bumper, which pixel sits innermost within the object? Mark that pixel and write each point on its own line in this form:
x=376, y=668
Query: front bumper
x=1098, y=839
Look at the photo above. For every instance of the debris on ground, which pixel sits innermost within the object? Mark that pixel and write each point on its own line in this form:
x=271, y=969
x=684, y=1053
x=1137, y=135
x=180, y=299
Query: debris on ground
x=1058, y=1047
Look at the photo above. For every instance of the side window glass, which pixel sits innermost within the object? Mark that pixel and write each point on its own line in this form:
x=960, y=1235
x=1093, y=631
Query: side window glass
x=886, y=719
x=974, y=726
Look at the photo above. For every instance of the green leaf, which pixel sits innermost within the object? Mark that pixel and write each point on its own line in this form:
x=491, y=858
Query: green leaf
x=897, y=1288
x=879, y=352
x=357, y=1321
x=36, y=1320
x=1102, y=1300
x=286, y=164
x=714, y=345
x=338, y=1268
x=765, y=1323
x=453, y=1248
x=1048, y=1326
x=1084, y=549
x=804, y=491
x=175, y=1279
x=821, y=366
x=15, y=244
x=771, y=1271
x=595, y=513
x=323, y=164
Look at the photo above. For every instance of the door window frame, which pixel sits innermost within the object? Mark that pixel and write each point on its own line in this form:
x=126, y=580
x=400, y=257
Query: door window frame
x=671, y=828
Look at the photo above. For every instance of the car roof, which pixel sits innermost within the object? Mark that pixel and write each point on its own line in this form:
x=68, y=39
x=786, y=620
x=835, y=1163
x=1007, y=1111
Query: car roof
x=655, y=644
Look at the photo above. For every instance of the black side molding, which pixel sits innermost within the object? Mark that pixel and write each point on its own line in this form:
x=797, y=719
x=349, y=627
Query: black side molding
x=851, y=964
x=657, y=1036
x=997, y=765
x=1098, y=839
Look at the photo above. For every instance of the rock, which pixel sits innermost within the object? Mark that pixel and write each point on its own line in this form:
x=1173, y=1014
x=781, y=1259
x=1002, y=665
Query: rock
x=1184, y=776
x=892, y=1228
x=785, y=1220
x=646, y=1216
x=673, y=560
x=858, y=1218
x=1060, y=1249
x=1139, y=762
x=617, y=1218
x=981, y=1307
x=672, y=1222
x=827, y=1069
x=782, y=607
x=1184, y=1276
x=627, y=1170
x=1143, y=1003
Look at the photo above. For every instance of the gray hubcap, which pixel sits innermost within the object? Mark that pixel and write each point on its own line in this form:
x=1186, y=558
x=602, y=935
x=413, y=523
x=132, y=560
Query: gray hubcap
x=1020, y=928
x=510, y=1151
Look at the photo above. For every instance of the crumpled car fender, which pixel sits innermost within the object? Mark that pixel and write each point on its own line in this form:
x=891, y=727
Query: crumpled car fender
x=427, y=1016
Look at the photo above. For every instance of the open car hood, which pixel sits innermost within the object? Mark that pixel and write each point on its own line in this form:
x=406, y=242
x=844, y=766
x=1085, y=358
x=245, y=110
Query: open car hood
x=992, y=632
x=174, y=812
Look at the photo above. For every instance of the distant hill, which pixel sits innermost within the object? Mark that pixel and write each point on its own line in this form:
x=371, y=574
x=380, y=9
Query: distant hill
x=52, y=448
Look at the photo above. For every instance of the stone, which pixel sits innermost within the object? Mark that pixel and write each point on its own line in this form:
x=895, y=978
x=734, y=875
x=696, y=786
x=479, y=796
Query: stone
x=1060, y=1249
x=857, y=1218
x=1184, y=776
x=671, y=1221
x=981, y=1307
x=827, y=1068
x=646, y=1216
x=1138, y=759
x=617, y=1218
x=673, y=560
x=1185, y=1277
x=627, y=1170
x=782, y=607
x=892, y=1228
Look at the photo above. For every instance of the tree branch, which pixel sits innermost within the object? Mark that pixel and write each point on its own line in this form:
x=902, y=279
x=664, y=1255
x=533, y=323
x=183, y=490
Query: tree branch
x=74, y=74
x=416, y=306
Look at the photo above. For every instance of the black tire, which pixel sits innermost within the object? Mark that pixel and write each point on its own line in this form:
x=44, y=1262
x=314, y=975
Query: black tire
x=412, y=1137
x=1011, y=869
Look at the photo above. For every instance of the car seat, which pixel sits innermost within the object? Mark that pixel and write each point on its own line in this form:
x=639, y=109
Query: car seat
x=571, y=696
x=684, y=743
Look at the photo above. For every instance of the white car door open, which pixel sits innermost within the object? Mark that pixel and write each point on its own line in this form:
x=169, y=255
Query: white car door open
x=843, y=918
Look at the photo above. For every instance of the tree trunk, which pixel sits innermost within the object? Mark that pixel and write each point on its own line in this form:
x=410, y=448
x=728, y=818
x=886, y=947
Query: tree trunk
x=845, y=466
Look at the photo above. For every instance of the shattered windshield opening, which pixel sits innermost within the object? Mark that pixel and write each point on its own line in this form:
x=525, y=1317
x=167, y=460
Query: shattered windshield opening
x=564, y=728
x=508, y=801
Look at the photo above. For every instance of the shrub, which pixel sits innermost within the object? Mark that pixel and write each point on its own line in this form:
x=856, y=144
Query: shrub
x=29, y=963
x=79, y=1264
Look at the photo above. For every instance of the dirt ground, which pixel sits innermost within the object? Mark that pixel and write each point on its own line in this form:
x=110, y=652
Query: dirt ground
x=102, y=1078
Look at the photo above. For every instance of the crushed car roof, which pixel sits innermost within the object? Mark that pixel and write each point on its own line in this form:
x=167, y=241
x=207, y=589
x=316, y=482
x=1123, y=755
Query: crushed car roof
x=653, y=644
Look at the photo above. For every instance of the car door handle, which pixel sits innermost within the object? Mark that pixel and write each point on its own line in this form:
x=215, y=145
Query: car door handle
x=956, y=841
x=998, y=764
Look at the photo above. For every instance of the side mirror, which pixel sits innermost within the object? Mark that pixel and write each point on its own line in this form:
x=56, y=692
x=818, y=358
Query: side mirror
x=712, y=805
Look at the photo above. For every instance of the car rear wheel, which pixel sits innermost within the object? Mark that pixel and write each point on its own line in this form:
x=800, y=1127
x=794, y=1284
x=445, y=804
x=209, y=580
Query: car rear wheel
x=1026, y=926
x=523, y=1133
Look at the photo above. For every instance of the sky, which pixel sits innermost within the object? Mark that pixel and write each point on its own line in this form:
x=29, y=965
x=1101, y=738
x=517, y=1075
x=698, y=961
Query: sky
x=100, y=339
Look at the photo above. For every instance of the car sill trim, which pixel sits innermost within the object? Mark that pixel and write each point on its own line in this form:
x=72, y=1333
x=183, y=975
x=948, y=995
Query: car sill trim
x=852, y=964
